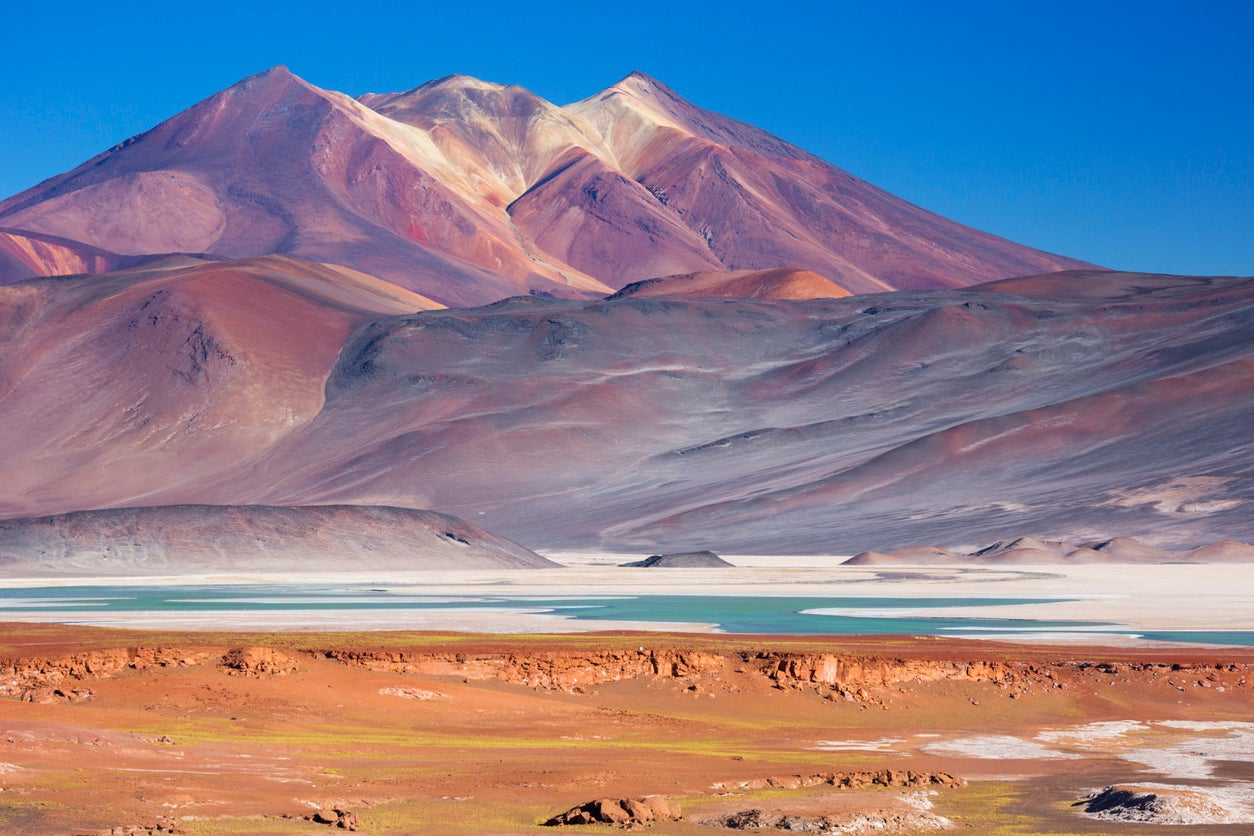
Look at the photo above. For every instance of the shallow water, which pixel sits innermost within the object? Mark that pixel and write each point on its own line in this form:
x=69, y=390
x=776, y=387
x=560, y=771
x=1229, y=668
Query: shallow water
x=731, y=614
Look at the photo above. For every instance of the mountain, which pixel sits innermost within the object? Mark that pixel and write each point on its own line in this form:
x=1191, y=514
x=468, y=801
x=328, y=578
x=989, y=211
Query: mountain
x=1028, y=551
x=624, y=323
x=467, y=192
x=217, y=539
x=169, y=374
x=760, y=203
x=1078, y=406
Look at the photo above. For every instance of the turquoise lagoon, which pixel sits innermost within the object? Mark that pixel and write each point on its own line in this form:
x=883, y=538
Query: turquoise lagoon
x=730, y=614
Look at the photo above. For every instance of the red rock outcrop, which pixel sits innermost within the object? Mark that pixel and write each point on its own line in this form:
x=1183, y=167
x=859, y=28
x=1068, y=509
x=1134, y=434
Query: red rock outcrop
x=34, y=679
x=855, y=677
x=257, y=662
x=859, y=678
x=624, y=812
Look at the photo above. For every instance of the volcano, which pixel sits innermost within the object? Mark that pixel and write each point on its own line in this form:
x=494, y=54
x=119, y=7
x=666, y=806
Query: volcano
x=467, y=192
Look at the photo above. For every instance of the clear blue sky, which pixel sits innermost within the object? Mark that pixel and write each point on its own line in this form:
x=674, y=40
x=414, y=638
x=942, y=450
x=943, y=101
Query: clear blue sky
x=1117, y=132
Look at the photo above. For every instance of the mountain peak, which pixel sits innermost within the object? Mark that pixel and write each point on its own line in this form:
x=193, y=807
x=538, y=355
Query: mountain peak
x=647, y=89
x=461, y=81
x=632, y=183
x=453, y=85
x=639, y=77
x=278, y=77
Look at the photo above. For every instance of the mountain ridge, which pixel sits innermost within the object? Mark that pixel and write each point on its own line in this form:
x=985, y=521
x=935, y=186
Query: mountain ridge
x=467, y=191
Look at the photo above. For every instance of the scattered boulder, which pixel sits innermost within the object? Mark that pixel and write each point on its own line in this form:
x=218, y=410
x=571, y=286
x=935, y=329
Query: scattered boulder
x=872, y=821
x=857, y=780
x=420, y=694
x=627, y=812
x=336, y=817
x=158, y=829
x=754, y=819
x=1160, y=804
x=682, y=560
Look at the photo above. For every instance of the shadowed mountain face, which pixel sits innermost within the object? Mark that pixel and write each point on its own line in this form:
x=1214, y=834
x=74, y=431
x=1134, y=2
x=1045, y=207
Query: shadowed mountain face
x=1078, y=406
x=468, y=192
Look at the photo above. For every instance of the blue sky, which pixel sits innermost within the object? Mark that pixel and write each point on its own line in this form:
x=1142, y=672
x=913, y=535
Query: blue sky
x=1117, y=132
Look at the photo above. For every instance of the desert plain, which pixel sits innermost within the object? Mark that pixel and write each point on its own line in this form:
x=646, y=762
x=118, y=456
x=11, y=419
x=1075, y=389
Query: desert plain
x=479, y=721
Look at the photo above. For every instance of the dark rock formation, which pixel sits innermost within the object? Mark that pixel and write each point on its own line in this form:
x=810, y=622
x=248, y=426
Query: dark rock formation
x=683, y=560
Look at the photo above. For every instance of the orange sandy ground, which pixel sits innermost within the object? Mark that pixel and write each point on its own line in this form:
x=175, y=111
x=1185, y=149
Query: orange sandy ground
x=194, y=747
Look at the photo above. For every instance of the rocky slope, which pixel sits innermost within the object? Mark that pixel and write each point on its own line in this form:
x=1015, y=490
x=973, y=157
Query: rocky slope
x=467, y=192
x=216, y=539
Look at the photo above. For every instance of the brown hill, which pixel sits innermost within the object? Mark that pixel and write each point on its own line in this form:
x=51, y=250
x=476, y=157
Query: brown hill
x=467, y=192
x=781, y=283
x=1121, y=550
x=171, y=375
x=1227, y=551
x=909, y=556
x=216, y=539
